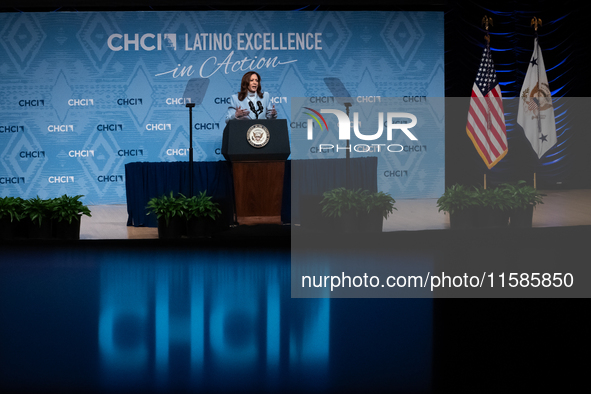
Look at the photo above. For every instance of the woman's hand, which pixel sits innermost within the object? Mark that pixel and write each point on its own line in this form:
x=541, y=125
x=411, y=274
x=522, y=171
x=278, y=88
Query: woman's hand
x=272, y=113
x=241, y=113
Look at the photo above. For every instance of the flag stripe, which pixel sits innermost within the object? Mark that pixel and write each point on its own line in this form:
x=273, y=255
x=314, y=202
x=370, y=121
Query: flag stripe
x=480, y=128
x=478, y=125
x=499, y=126
x=478, y=143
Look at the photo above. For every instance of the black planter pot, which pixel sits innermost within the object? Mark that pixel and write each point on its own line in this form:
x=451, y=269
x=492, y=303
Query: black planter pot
x=372, y=222
x=65, y=230
x=20, y=228
x=500, y=218
x=488, y=217
x=350, y=223
x=311, y=217
x=6, y=231
x=35, y=231
x=175, y=229
x=464, y=218
x=522, y=218
x=200, y=227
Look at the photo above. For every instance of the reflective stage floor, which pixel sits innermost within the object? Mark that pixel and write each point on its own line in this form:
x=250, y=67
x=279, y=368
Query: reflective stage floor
x=134, y=317
x=129, y=315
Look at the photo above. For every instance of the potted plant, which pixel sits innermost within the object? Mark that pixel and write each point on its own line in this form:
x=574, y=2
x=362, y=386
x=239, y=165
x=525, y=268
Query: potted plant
x=169, y=212
x=39, y=212
x=201, y=213
x=344, y=206
x=68, y=212
x=379, y=206
x=494, y=207
x=524, y=200
x=10, y=212
x=20, y=227
x=460, y=202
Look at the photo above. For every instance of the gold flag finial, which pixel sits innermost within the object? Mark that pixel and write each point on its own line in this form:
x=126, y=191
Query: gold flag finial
x=486, y=22
x=536, y=22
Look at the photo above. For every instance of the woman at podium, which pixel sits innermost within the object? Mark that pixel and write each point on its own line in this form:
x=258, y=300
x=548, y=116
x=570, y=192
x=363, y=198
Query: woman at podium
x=251, y=102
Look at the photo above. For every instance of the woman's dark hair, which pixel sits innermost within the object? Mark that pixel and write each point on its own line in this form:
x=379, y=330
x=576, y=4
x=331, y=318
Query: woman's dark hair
x=244, y=85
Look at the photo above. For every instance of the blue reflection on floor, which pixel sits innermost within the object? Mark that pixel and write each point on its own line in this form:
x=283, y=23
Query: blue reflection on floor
x=124, y=319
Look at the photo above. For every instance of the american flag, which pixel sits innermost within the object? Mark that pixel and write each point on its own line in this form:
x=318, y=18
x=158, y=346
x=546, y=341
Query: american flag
x=486, y=121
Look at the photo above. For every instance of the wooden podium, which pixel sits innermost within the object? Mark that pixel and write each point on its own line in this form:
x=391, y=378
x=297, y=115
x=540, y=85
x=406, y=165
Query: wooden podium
x=257, y=150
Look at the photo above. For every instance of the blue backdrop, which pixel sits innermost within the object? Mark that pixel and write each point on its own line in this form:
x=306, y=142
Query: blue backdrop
x=82, y=94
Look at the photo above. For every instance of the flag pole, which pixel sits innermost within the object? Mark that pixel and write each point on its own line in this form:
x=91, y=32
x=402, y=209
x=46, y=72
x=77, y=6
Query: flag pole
x=535, y=22
x=486, y=21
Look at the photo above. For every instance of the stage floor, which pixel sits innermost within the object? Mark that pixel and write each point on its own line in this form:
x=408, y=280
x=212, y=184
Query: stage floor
x=560, y=208
x=218, y=316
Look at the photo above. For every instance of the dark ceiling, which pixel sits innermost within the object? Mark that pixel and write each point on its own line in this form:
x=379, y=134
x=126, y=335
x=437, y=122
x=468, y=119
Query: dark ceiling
x=157, y=5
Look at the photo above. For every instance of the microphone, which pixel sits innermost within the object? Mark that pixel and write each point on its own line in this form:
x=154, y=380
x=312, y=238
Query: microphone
x=256, y=111
x=260, y=108
x=251, y=104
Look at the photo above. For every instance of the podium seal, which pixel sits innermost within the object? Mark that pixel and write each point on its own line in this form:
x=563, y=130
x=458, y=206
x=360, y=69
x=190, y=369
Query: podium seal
x=258, y=135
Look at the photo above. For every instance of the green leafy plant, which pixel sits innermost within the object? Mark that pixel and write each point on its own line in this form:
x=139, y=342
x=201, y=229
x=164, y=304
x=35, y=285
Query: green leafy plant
x=67, y=208
x=11, y=207
x=338, y=201
x=457, y=198
x=497, y=198
x=37, y=209
x=200, y=206
x=381, y=202
x=166, y=207
x=522, y=195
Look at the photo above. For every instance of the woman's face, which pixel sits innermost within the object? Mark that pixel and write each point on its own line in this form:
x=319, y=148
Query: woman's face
x=253, y=84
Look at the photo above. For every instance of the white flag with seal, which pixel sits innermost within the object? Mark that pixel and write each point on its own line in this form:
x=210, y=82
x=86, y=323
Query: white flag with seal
x=536, y=113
